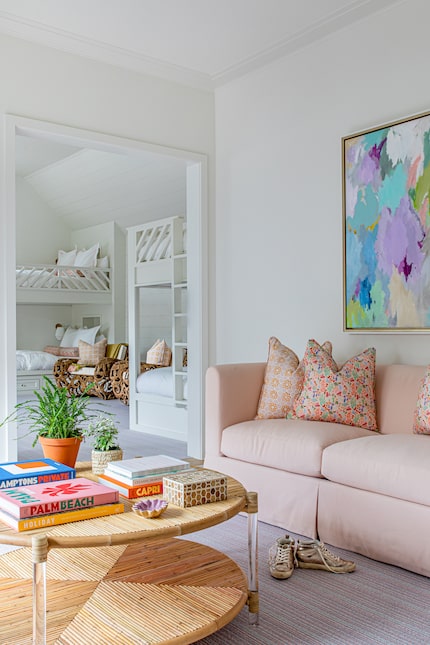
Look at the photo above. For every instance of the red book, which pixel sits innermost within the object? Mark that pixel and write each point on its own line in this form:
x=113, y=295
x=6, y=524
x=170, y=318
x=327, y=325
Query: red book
x=55, y=497
x=131, y=492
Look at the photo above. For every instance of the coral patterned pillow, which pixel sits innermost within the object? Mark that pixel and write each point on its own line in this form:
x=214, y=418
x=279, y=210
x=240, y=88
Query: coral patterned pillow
x=345, y=395
x=422, y=410
x=283, y=381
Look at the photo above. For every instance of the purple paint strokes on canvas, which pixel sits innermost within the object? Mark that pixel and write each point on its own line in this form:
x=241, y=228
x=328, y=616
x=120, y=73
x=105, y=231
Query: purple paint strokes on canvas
x=398, y=242
x=367, y=169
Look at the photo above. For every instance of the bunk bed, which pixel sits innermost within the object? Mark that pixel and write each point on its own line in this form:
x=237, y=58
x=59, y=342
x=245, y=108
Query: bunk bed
x=157, y=259
x=85, y=282
x=46, y=284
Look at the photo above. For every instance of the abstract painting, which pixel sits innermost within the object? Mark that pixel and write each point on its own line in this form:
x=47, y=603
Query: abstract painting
x=386, y=227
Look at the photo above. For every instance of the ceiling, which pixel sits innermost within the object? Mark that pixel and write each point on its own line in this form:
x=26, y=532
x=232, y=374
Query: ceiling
x=204, y=43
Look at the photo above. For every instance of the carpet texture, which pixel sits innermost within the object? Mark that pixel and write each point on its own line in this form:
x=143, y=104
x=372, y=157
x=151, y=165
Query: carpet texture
x=376, y=604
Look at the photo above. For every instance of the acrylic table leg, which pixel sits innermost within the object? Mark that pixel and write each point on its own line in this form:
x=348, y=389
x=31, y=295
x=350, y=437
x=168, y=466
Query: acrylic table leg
x=252, y=510
x=40, y=554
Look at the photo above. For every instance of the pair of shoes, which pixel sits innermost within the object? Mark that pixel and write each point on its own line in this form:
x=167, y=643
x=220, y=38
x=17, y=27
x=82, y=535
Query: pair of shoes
x=285, y=555
x=282, y=558
x=313, y=554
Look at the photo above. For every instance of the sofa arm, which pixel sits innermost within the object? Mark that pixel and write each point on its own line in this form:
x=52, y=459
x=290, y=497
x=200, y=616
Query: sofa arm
x=232, y=394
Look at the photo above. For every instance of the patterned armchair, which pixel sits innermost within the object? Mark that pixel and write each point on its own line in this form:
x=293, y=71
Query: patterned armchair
x=76, y=379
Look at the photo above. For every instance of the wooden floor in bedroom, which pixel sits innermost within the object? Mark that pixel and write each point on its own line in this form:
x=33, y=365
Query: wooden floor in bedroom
x=132, y=442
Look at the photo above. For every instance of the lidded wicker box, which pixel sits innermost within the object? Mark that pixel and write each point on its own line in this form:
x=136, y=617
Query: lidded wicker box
x=194, y=488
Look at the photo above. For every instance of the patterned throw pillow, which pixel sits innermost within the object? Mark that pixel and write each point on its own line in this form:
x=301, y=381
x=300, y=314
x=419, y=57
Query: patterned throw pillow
x=283, y=381
x=422, y=410
x=159, y=354
x=345, y=395
x=91, y=354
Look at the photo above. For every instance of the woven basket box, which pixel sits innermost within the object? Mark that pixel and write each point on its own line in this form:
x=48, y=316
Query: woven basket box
x=194, y=488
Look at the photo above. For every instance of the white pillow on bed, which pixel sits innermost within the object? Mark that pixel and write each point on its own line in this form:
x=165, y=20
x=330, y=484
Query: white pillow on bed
x=67, y=258
x=29, y=359
x=87, y=257
x=72, y=336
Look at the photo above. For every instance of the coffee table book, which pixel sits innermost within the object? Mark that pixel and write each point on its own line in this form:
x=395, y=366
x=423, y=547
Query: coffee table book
x=142, y=466
x=55, y=497
x=151, y=487
x=46, y=521
x=34, y=471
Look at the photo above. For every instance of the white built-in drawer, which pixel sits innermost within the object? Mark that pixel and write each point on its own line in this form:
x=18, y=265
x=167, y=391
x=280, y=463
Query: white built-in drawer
x=28, y=383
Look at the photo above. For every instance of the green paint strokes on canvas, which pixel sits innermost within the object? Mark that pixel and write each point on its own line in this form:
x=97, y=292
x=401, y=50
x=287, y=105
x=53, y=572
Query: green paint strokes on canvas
x=393, y=188
x=366, y=209
x=423, y=188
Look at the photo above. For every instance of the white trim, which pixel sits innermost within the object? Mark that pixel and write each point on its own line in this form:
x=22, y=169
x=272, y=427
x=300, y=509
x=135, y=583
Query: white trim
x=13, y=125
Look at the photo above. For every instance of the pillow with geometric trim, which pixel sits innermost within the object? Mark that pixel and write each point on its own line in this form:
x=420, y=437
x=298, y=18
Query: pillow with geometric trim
x=283, y=381
x=422, y=410
x=342, y=395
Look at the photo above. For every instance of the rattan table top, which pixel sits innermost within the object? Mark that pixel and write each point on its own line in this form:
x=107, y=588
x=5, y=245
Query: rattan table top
x=128, y=527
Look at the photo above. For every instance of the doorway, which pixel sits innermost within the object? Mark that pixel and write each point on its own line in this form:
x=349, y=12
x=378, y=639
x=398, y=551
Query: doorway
x=196, y=215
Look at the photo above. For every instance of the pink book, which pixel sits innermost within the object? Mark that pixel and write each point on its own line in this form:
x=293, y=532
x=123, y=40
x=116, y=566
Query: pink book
x=55, y=497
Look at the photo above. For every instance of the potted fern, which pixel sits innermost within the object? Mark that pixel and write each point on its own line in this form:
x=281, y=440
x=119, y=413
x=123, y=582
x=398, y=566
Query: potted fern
x=104, y=434
x=57, y=419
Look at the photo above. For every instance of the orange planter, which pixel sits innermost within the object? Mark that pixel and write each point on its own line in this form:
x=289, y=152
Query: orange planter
x=63, y=450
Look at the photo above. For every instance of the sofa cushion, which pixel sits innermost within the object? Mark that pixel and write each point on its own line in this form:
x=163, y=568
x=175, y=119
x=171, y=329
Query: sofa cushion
x=345, y=395
x=396, y=465
x=283, y=380
x=287, y=444
x=397, y=389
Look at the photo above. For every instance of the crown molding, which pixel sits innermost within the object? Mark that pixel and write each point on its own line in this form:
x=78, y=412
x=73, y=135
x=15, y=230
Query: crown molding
x=41, y=34
x=47, y=36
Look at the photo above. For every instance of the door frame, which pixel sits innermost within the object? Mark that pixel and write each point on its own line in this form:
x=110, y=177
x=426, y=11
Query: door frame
x=197, y=225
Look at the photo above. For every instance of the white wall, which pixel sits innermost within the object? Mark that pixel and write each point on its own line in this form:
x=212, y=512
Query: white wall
x=279, y=192
x=35, y=324
x=39, y=231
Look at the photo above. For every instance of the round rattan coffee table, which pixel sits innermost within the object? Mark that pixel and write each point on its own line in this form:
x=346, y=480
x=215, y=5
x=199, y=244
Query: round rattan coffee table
x=126, y=580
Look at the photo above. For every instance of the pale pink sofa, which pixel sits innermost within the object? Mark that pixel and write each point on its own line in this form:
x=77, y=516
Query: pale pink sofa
x=355, y=489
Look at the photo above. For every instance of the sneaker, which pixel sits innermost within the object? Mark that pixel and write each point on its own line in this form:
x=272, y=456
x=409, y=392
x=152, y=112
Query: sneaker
x=312, y=554
x=281, y=558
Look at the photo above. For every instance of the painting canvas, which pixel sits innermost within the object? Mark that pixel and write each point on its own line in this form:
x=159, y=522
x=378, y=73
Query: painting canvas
x=386, y=225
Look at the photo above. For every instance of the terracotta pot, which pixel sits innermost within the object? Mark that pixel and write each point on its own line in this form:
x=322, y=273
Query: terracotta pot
x=101, y=458
x=63, y=450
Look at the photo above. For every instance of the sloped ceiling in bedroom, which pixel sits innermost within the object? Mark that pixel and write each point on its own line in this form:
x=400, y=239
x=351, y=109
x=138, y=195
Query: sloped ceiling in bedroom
x=87, y=187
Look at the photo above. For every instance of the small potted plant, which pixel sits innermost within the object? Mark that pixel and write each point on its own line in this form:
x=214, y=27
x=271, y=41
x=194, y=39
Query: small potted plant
x=104, y=434
x=57, y=419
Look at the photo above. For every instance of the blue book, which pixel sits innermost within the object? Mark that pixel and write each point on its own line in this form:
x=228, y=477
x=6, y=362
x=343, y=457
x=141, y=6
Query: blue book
x=35, y=471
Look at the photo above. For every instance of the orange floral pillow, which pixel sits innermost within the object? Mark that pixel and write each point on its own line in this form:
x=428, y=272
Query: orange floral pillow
x=345, y=395
x=283, y=381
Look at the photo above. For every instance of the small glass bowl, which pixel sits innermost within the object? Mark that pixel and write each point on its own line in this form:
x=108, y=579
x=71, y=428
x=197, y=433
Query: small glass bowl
x=150, y=508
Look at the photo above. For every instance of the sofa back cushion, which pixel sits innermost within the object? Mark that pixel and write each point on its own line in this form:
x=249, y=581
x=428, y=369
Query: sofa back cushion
x=397, y=388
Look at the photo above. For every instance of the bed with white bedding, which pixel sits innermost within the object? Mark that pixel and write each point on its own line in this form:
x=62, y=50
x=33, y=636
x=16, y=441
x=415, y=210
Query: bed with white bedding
x=31, y=367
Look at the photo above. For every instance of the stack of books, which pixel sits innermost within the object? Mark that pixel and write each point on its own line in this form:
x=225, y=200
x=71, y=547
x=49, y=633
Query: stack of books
x=37, y=506
x=142, y=476
x=35, y=471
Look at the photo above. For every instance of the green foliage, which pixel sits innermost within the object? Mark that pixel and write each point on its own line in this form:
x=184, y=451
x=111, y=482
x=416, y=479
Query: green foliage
x=104, y=432
x=55, y=413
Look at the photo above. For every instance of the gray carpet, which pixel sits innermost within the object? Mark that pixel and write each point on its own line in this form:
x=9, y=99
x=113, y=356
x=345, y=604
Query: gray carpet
x=377, y=604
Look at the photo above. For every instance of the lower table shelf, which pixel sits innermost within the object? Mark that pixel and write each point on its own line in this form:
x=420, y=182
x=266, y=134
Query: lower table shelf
x=171, y=591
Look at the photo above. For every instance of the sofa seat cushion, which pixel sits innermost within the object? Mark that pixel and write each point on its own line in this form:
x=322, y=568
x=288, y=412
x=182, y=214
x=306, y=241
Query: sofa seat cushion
x=395, y=465
x=287, y=444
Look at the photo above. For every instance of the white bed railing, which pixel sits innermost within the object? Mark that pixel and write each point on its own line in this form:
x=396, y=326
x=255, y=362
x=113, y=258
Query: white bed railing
x=64, y=278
